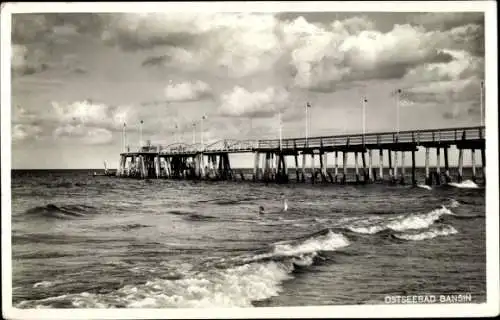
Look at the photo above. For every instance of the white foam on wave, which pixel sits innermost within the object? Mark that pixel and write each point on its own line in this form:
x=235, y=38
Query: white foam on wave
x=419, y=221
x=454, y=203
x=402, y=222
x=424, y=186
x=44, y=284
x=328, y=242
x=237, y=286
x=367, y=229
x=467, y=184
x=234, y=287
x=435, y=232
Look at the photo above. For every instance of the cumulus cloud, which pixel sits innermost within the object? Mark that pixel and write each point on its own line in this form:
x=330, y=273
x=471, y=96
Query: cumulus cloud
x=88, y=122
x=242, y=103
x=22, y=132
x=322, y=55
x=187, y=91
x=35, y=35
x=84, y=134
x=25, y=61
x=88, y=113
x=462, y=66
x=447, y=20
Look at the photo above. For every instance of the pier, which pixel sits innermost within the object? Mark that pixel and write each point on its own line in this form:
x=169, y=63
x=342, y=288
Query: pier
x=211, y=162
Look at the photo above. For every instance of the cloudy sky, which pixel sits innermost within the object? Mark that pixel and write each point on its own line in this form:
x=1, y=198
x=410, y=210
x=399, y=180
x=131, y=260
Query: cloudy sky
x=76, y=78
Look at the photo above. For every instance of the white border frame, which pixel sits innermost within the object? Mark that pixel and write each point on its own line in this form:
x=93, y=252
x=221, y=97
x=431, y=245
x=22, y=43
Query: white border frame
x=490, y=308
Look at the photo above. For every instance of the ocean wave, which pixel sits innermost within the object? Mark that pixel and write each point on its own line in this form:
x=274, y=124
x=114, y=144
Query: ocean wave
x=240, y=285
x=198, y=217
x=454, y=203
x=467, y=184
x=44, y=284
x=430, y=234
x=402, y=223
x=424, y=186
x=62, y=211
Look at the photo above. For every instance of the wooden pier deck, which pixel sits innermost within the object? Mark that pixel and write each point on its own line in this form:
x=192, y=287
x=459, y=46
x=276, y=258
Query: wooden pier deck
x=211, y=161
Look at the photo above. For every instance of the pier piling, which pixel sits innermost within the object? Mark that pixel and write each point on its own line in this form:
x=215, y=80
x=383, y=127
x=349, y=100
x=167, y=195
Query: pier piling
x=389, y=153
x=428, y=180
x=336, y=166
x=413, y=175
x=473, y=164
x=438, y=165
x=446, y=166
x=381, y=163
x=344, y=167
x=402, y=180
x=370, y=172
x=356, y=167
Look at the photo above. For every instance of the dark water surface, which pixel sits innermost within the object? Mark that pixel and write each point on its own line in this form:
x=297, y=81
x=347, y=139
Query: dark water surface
x=94, y=242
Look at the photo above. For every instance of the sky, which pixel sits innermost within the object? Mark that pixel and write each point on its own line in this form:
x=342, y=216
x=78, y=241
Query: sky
x=77, y=78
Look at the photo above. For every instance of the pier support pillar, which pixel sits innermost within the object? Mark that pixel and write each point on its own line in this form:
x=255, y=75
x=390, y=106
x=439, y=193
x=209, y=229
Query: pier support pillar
x=303, y=171
x=322, y=161
x=313, y=168
x=389, y=153
x=157, y=166
x=370, y=163
x=446, y=166
x=438, y=165
x=381, y=164
x=396, y=166
x=413, y=173
x=428, y=180
x=402, y=180
x=473, y=164
x=267, y=166
x=460, y=164
x=336, y=165
x=296, y=158
x=282, y=173
x=344, y=166
x=483, y=164
x=363, y=159
x=356, y=167
x=256, y=166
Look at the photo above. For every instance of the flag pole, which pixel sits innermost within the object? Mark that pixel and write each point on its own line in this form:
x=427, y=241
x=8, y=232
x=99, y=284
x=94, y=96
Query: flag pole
x=364, y=115
x=279, y=119
x=194, y=132
x=397, y=111
x=140, y=134
x=482, y=88
x=124, y=137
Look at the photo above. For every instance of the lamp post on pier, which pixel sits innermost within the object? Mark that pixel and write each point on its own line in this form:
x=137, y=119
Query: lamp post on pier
x=279, y=120
x=308, y=105
x=140, y=134
x=398, y=94
x=481, y=103
x=124, y=137
x=201, y=130
x=194, y=132
x=364, y=101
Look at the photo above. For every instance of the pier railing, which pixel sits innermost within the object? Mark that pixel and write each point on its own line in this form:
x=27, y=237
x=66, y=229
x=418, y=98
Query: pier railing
x=447, y=135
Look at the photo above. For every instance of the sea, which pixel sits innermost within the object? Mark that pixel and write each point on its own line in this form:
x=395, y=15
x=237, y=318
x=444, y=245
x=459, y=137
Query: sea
x=84, y=241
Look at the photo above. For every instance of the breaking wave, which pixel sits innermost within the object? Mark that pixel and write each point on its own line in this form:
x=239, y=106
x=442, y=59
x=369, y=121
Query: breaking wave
x=402, y=223
x=61, y=211
x=424, y=186
x=432, y=233
x=238, y=285
x=467, y=184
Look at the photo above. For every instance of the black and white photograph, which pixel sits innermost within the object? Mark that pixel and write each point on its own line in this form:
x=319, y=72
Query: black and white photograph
x=249, y=159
